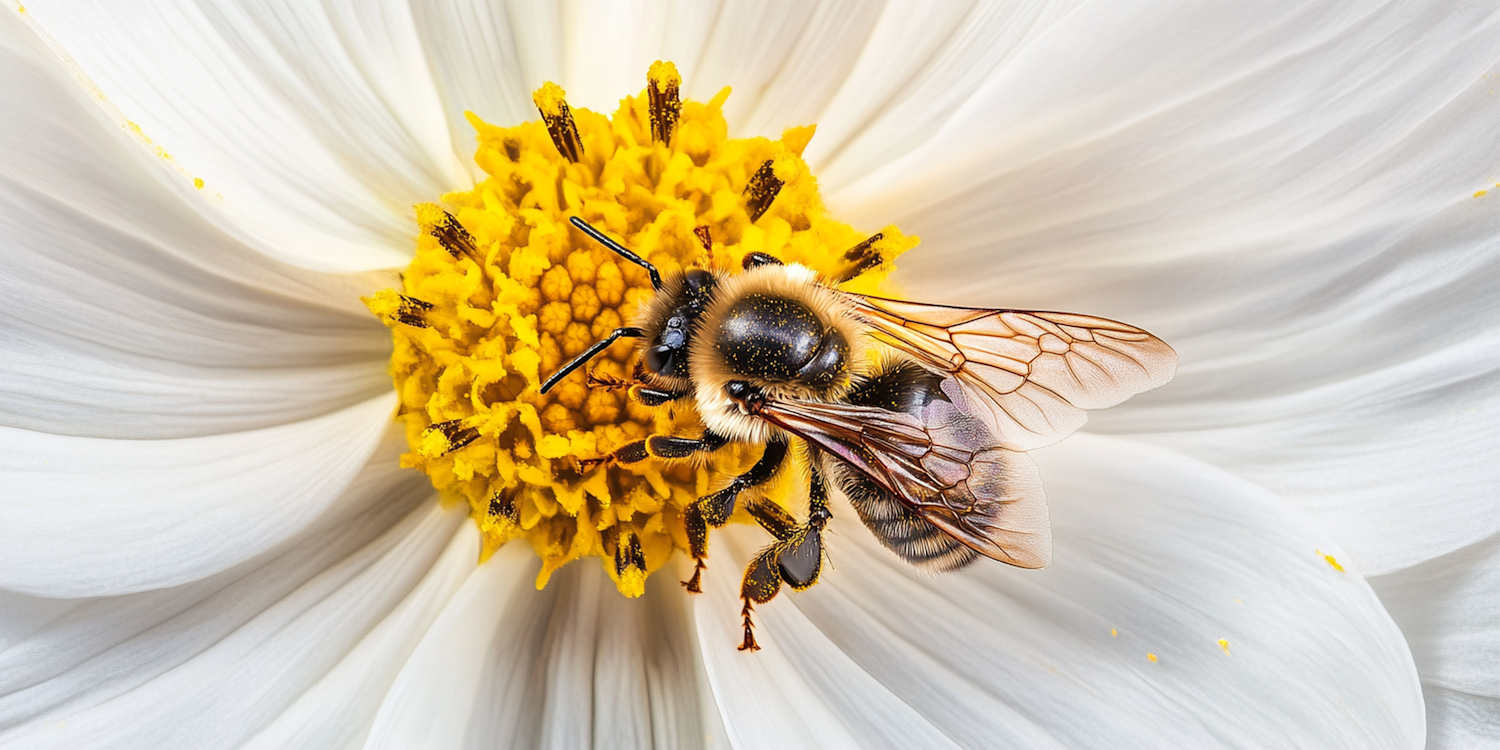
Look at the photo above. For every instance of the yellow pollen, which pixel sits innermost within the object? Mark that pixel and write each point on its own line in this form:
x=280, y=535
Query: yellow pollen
x=503, y=290
x=1151, y=657
x=1224, y=644
x=1113, y=633
x=1331, y=560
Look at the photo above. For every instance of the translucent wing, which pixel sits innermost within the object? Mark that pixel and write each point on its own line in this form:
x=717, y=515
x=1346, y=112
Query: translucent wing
x=945, y=465
x=1030, y=375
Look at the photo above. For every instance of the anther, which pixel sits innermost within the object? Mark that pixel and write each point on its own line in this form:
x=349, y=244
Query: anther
x=662, y=85
x=503, y=505
x=445, y=437
x=861, y=258
x=762, y=190
x=393, y=307
x=451, y=234
x=628, y=554
x=707, y=241
x=554, y=108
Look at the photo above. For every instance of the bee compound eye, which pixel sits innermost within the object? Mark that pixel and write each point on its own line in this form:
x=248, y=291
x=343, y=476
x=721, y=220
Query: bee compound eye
x=662, y=359
x=673, y=338
x=737, y=389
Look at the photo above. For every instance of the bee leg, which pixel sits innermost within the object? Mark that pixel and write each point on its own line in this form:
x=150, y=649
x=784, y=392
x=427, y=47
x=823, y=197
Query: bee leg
x=800, y=554
x=656, y=396
x=756, y=260
x=697, y=534
x=761, y=584
x=718, y=506
x=658, y=446
x=637, y=390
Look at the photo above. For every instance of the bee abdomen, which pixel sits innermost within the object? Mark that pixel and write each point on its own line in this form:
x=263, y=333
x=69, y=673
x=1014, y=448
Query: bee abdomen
x=901, y=530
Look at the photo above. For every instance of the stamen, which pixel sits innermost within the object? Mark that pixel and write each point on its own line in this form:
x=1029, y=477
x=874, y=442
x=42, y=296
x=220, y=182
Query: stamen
x=762, y=190
x=393, y=307
x=630, y=565
x=503, y=505
x=554, y=108
x=449, y=233
x=707, y=240
x=861, y=258
x=663, y=83
x=445, y=437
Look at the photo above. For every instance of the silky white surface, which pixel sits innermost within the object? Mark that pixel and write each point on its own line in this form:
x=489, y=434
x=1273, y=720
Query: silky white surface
x=129, y=315
x=314, y=127
x=575, y=665
x=1450, y=613
x=210, y=663
x=1172, y=553
x=92, y=517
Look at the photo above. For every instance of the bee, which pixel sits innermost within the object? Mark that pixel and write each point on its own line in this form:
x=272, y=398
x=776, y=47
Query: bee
x=920, y=414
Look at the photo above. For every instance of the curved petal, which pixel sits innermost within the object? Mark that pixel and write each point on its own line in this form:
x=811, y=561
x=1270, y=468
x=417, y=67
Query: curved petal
x=1286, y=194
x=211, y=663
x=573, y=665
x=1156, y=554
x=1449, y=611
x=128, y=315
x=89, y=517
x=315, y=127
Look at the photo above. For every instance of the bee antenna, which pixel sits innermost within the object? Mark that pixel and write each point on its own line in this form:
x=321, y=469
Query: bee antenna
x=619, y=249
x=592, y=352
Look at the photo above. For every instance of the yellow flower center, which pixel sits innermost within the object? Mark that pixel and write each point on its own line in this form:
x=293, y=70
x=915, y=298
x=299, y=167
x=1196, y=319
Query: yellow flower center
x=503, y=291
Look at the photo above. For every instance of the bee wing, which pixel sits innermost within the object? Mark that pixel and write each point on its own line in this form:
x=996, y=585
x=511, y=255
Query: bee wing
x=1033, y=373
x=943, y=464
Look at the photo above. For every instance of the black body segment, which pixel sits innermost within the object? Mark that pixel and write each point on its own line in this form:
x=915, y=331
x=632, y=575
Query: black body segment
x=778, y=339
x=902, y=386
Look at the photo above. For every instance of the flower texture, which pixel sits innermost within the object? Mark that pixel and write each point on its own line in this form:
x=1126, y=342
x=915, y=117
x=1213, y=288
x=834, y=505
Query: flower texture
x=207, y=538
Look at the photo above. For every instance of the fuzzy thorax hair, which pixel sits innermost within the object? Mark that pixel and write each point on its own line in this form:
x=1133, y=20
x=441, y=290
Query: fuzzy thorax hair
x=710, y=372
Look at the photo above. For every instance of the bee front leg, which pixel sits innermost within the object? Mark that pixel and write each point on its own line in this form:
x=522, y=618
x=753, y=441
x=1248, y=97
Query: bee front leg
x=637, y=390
x=658, y=446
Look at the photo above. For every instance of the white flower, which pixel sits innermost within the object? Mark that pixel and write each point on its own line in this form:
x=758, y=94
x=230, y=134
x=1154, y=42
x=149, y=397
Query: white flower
x=205, y=540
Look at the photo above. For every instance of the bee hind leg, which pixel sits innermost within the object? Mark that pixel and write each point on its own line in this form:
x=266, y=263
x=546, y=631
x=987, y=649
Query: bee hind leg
x=761, y=584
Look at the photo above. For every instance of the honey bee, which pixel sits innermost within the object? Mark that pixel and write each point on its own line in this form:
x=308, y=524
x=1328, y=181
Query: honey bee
x=927, y=437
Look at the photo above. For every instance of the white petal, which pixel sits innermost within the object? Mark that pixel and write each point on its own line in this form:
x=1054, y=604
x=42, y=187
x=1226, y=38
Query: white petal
x=573, y=665
x=314, y=127
x=1283, y=198
x=210, y=663
x=127, y=314
x=90, y=517
x=1376, y=411
x=1450, y=613
x=784, y=60
x=921, y=62
x=1170, y=553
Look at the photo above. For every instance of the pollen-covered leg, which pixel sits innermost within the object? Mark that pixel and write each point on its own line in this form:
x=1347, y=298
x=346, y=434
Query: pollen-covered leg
x=697, y=535
x=658, y=446
x=641, y=392
x=719, y=506
x=761, y=584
